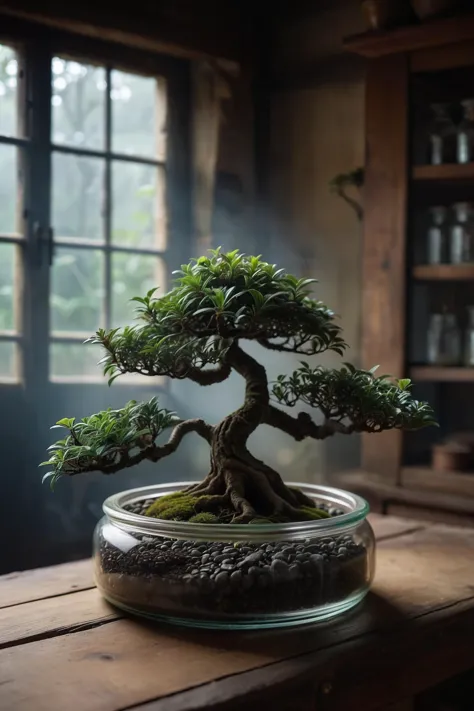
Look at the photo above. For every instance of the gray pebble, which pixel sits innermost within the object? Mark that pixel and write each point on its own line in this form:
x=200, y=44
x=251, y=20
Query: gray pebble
x=253, y=572
x=228, y=566
x=342, y=550
x=236, y=578
x=220, y=558
x=222, y=579
x=279, y=569
x=316, y=560
x=206, y=557
x=252, y=558
x=293, y=572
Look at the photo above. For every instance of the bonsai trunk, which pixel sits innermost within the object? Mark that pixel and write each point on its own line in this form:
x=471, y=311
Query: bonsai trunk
x=237, y=481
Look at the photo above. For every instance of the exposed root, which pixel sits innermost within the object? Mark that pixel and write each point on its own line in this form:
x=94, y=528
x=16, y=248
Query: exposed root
x=248, y=489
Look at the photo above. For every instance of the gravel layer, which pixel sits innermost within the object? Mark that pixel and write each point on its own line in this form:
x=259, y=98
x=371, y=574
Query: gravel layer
x=196, y=578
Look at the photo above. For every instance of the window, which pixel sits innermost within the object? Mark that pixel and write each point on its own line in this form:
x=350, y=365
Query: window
x=85, y=217
x=11, y=223
x=108, y=203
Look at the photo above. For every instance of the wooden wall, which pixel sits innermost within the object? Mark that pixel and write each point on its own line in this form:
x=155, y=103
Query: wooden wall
x=317, y=131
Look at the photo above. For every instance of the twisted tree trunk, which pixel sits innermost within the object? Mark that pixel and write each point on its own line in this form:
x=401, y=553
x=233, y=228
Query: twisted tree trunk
x=238, y=482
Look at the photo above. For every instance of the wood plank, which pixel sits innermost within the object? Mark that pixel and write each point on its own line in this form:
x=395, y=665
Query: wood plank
x=17, y=588
x=443, y=481
x=384, y=246
x=402, y=666
x=444, y=272
x=392, y=526
x=119, y=661
x=413, y=37
x=442, y=374
x=374, y=487
x=448, y=171
x=429, y=516
x=53, y=616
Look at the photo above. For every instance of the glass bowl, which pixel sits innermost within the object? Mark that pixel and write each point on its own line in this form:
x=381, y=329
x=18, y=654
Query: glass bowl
x=234, y=576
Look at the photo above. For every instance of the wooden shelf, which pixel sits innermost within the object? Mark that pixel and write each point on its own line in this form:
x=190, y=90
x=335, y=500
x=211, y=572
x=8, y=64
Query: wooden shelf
x=377, y=489
x=441, y=374
x=449, y=171
x=444, y=272
x=413, y=37
x=448, y=482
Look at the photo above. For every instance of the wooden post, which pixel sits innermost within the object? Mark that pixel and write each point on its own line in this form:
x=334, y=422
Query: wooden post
x=385, y=196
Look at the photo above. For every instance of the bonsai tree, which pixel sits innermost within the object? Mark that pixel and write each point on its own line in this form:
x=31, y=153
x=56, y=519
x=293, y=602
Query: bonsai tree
x=195, y=331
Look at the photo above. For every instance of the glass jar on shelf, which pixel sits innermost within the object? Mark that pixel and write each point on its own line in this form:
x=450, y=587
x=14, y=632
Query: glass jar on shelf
x=437, y=242
x=465, y=133
x=469, y=338
x=442, y=135
x=461, y=238
x=444, y=340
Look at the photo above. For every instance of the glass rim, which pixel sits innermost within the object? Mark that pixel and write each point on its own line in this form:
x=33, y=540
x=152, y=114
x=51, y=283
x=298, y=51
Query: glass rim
x=113, y=508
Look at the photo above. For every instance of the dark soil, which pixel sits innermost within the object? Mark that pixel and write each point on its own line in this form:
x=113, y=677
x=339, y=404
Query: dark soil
x=198, y=579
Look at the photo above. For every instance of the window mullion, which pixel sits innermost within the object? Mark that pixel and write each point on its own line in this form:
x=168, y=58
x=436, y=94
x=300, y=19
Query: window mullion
x=37, y=214
x=108, y=202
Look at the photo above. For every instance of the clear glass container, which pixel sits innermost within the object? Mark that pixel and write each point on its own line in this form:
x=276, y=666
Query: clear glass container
x=233, y=576
x=444, y=340
x=437, y=236
x=469, y=338
x=465, y=133
x=461, y=235
x=442, y=135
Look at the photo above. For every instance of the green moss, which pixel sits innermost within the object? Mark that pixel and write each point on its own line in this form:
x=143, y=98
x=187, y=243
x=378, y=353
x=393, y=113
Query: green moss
x=204, y=518
x=179, y=506
x=182, y=506
x=314, y=513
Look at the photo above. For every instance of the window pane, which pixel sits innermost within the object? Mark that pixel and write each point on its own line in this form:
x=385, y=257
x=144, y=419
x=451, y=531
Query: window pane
x=8, y=91
x=8, y=360
x=78, y=104
x=7, y=281
x=8, y=188
x=138, y=205
x=77, y=290
x=78, y=189
x=75, y=359
x=133, y=275
x=138, y=115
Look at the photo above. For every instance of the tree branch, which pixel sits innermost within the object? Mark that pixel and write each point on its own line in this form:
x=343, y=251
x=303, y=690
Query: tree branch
x=302, y=426
x=256, y=391
x=154, y=452
x=209, y=376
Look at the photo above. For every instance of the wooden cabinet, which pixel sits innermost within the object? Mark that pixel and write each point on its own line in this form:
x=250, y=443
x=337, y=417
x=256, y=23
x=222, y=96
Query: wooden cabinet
x=409, y=70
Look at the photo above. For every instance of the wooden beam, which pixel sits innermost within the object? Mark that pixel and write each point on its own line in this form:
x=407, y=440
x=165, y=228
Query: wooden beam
x=383, y=261
x=413, y=37
x=179, y=29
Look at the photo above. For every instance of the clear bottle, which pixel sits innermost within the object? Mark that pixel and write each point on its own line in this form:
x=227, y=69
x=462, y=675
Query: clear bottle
x=444, y=340
x=437, y=236
x=465, y=133
x=469, y=338
x=461, y=236
x=442, y=136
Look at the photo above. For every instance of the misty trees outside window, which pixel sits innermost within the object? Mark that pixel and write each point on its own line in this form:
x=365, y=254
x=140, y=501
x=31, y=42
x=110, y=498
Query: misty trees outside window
x=107, y=202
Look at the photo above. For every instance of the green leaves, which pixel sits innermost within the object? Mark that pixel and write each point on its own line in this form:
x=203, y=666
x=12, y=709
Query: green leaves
x=370, y=403
x=98, y=442
x=225, y=296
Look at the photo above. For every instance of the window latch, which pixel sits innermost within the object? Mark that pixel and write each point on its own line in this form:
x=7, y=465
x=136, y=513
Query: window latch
x=43, y=239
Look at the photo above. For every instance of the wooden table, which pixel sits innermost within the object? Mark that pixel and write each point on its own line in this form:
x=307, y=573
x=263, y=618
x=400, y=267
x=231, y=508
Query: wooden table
x=62, y=648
